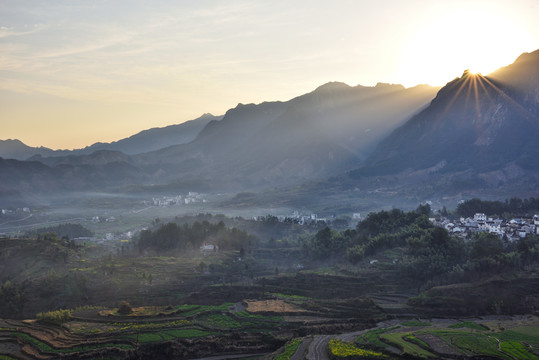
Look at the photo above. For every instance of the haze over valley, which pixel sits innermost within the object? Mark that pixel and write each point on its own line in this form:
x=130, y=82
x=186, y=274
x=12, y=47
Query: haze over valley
x=328, y=203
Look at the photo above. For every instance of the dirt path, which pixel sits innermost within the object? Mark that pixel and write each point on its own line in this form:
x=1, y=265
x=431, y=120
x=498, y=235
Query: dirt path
x=235, y=356
x=351, y=337
x=318, y=347
x=302, y=349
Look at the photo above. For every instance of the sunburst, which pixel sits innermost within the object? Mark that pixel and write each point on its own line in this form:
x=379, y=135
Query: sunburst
x=478, y=91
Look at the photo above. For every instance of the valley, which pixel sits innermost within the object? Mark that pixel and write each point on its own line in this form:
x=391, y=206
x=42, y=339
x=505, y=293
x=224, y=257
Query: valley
x=349, y=222
x=315, y=293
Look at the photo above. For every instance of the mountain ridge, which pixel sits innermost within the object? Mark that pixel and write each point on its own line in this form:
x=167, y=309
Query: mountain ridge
x=472, y=115
x=144, y=141
x=305, y=137
x=475, y=133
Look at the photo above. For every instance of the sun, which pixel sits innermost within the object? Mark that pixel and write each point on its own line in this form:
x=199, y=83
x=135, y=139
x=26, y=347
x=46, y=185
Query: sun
x=476, y=38
x=473, y=72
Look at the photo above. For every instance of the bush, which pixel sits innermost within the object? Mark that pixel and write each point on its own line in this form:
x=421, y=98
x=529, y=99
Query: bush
x=124, y=308
x=55, y=317
x=342, y=350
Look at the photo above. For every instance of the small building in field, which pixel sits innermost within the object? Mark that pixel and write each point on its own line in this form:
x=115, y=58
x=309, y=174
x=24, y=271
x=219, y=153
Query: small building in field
x=209, y=248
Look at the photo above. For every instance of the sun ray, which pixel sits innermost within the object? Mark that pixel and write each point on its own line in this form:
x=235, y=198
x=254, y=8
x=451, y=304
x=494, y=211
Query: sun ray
x=452, y=101
x=510, y=99
x=468, y=89
x=476, y=93
x=480, y=80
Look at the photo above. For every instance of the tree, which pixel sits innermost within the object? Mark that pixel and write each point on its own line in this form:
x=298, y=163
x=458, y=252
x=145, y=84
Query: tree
x=327, y=243
x=528, y=248
x=423, y=209
x=124, y=308
x=487, y=254
x=444, y=212
x=202, y=266
x=486, y=245
x=355, y=254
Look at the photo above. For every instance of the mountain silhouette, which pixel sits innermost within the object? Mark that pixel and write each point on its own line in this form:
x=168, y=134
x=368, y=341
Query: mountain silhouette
x=144, y=141
x=325, y=131
x=477, y=132
x=484, y=126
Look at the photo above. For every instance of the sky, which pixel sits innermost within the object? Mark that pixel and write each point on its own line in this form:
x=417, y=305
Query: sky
x=73, y=73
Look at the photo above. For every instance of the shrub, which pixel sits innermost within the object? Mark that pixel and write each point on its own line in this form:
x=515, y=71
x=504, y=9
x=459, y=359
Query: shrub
x=342, y=349
x=289, y=349
x=55, y=317
x=124, y=308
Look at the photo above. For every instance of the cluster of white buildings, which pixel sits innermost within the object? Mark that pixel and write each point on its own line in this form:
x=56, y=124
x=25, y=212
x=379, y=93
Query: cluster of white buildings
x=191, y=198
x=296, y=217
x=98, y=219
x=303, y=219
x=9, y=211
x=513, y=229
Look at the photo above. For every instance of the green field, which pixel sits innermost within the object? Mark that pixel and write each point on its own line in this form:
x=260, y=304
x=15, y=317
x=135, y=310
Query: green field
x=469, y=325
x=290, y=349
x=466, y=337
x=167, y=335
x=407, y=347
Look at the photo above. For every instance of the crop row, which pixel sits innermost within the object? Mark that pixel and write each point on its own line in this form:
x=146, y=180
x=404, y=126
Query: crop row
x=44, y=347
x=518, y=343
x=341, y=349
x=167, y=335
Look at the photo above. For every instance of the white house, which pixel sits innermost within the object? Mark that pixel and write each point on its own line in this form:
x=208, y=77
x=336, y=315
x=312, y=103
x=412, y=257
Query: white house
x=208, y=248
x=480, y=217
x=494, y=227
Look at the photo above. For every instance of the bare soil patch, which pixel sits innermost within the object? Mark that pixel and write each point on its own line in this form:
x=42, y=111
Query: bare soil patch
x=8, y=346
x=276, y=306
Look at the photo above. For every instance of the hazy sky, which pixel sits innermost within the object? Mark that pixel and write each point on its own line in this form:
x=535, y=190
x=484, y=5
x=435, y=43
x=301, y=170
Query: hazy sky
x=76, y=72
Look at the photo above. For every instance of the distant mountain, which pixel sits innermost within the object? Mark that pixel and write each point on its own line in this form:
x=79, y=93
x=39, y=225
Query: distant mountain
x=16, y=149
x=327, y=131
x=145, y=141
x=22, y=182
x=273, y=143
x=155, y=138
x=485, y=128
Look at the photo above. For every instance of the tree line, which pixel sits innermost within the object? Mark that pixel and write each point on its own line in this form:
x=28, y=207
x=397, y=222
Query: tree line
x=511, y=207
x=70, y=231
x=428, y=252
x=172, y=236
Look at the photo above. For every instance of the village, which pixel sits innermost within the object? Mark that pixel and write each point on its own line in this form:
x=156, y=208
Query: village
x=191, y=198
x=511, y=230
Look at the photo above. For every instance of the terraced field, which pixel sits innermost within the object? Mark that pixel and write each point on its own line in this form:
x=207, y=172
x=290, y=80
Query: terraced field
x=187, y=330
x=421, y=339
x=104, y=332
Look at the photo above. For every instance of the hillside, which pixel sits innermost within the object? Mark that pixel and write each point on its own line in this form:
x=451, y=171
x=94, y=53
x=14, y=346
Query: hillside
x=328, y=130
x=480, y=132
x=484, y=123
x=477, y=138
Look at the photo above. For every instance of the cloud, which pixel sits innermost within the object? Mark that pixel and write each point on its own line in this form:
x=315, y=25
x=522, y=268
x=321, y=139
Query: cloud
x=91, y=47
x=7, y=32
